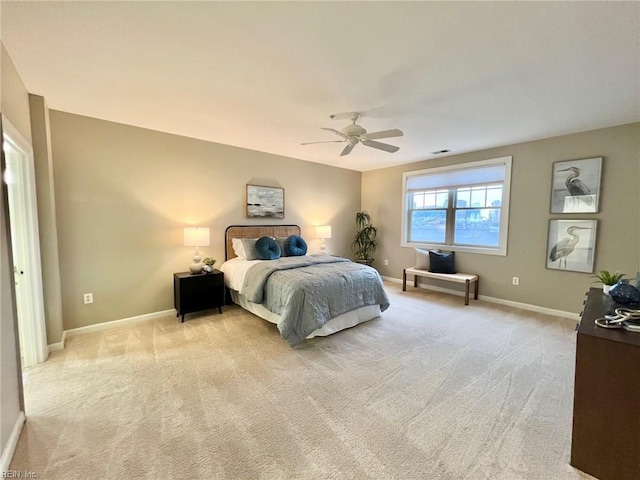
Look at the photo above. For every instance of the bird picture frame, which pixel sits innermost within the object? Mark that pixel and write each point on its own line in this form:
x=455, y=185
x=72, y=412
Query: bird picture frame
x=571, y=245
x=575, y=186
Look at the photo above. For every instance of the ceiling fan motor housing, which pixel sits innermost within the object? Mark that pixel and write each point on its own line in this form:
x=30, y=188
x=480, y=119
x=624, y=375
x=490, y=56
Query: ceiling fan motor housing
x=353, y=130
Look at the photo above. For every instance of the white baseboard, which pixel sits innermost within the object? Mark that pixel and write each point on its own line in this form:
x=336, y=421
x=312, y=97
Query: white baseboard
x=53, y=347
x=532, y=308
x=500, y=301
x=118, y=323
x=10, y=447
x=106, y=325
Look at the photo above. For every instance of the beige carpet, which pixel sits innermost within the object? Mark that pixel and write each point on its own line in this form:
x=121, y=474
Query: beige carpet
x=432, y=390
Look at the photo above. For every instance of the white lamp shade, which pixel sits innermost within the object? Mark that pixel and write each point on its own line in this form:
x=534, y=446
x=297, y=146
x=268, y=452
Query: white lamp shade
x=196, y=237
x=323, y=231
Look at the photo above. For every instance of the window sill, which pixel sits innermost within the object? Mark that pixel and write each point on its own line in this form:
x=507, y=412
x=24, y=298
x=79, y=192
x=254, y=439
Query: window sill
x=458, y=248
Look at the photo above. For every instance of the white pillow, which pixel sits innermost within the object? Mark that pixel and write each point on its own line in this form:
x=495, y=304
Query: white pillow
x=238, y=247
x=422, y=259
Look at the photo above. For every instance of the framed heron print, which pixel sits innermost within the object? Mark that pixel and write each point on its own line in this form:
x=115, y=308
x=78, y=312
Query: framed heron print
x=571, y=245
x=575, y=187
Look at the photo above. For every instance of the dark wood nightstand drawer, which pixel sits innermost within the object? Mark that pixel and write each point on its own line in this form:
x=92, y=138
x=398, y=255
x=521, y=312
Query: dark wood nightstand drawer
x=193, y=293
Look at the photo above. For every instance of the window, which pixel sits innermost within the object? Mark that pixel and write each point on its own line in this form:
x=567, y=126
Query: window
x=462, y=207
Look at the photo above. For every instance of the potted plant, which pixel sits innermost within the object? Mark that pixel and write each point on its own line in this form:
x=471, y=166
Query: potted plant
x=608, y=279
x=208, y=264
x=364, y=243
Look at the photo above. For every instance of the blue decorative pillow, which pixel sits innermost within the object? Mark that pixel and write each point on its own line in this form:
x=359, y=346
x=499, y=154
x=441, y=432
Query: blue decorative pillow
x=295, y=246
x=441, y=262
x=267, y=248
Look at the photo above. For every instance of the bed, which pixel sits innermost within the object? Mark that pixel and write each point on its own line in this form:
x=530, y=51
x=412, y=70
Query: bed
x=305, y=296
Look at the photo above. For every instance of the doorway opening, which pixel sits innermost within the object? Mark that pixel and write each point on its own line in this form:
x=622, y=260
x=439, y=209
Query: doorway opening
x=19, y=176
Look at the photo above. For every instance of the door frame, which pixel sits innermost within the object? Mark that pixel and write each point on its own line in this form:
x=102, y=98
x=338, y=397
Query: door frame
x=31, y=317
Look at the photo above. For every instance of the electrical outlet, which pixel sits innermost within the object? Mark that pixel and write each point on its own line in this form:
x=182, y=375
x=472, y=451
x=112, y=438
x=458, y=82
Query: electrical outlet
x=386, y=262
x=88, y=298
x=516, y=280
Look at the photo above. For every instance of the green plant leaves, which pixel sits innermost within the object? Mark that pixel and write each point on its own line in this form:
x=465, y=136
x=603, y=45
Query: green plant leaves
x=607, y=278
x=364, y=243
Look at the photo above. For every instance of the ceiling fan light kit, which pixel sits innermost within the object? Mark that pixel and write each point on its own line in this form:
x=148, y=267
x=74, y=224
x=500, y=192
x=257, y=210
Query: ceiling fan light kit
x=354, y=134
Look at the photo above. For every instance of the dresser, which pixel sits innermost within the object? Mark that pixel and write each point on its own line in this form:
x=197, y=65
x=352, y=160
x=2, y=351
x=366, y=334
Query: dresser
x=605, y=438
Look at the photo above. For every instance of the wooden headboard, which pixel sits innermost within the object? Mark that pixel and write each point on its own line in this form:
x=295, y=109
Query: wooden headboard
x=255, y=231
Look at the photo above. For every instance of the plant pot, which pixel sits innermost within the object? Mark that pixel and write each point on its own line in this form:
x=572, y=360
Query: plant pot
x=606, y=288
x=368, y=262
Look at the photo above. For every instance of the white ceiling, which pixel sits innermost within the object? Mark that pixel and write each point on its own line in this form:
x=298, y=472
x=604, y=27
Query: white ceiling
x=462, y=76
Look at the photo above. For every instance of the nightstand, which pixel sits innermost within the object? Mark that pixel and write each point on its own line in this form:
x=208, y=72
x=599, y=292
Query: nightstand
x=193, y=293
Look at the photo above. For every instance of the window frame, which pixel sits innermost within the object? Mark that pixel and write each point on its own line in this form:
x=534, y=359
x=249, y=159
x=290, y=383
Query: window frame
x=501, y=249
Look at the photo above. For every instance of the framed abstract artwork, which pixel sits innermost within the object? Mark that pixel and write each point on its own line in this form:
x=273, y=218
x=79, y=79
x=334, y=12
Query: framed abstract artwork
x=575, y=186
x=265, y=202
x=571, y=245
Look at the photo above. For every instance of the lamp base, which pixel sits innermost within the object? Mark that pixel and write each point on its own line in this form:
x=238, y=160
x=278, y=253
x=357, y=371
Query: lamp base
x=197, y=266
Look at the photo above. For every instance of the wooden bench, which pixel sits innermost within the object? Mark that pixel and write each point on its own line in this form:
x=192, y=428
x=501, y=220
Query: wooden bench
x=465, y=278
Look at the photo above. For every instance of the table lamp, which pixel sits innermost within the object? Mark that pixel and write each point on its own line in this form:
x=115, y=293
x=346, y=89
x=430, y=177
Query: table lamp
x=323, y=232
x=196, y=237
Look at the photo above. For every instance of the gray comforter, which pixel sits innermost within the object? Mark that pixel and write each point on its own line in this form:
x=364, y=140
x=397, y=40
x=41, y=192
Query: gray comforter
x=309, y=291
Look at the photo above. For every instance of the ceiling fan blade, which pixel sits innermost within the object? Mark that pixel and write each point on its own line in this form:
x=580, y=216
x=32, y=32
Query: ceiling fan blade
x=326, y=141
x=345, y=116
x=337, y=132
x=347, y=149
x=383, y=134
x=381, y=146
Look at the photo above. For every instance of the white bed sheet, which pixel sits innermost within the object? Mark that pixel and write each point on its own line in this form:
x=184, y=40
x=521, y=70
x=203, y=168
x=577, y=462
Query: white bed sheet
x=236, y=269
x=234, y=272
x=346, y=320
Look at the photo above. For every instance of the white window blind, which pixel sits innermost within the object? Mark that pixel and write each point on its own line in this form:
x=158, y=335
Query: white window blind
x=463, y=207
x=430, y=179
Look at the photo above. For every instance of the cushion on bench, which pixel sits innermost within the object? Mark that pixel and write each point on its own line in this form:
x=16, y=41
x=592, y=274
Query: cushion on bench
x=422, y=259
x=442, y=262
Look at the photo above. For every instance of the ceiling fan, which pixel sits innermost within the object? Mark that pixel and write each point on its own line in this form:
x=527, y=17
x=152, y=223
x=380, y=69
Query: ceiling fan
x=354, y=134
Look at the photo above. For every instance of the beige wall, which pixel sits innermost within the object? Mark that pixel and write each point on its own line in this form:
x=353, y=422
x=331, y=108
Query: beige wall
x=618, y=236
x=123, y=195
x=15, y=108
x=15, y=98
x=47, y=226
